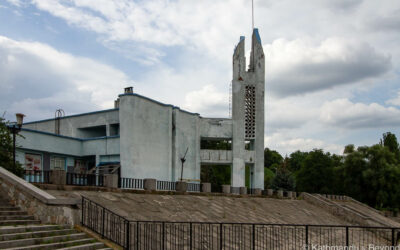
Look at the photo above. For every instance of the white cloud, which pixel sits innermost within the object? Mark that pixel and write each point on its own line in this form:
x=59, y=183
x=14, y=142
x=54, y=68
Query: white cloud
x=207, y=100
x=288, y=144
x=394, y=101
x=36, y=77
x=299, y=66
x=343, y=113
x=17, y=3
x=149, y=24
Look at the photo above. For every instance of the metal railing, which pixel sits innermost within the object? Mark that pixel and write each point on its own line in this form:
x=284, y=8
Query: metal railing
x=209, y=235
x=37, y=176
x=166, y=185
x=193, y=187
x=85, y=179
x=105, y=222
x=130, y=183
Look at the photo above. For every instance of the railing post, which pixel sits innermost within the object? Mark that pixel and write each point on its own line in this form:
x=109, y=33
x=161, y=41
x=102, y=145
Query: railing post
x=347, y=236
x=220, y=236
x=393, y=237
x=102, y=223
x=190, y=235
x=307, y=236
x=128, y=235
x=163, y=234
x=254, y=236
x=83, y=214
x=137, y=235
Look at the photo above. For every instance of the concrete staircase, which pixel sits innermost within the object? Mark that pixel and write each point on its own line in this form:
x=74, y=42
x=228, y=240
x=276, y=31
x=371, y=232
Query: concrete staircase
x=18, y=230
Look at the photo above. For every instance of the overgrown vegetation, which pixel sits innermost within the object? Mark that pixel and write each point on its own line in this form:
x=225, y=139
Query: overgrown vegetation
x=370, y=174
x=6, y=150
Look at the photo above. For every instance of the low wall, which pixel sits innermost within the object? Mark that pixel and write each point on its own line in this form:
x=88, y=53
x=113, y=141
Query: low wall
x=340, y=211
x=37, y=202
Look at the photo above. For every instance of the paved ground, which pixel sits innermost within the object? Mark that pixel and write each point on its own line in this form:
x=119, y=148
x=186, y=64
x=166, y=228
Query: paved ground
x=208, y=208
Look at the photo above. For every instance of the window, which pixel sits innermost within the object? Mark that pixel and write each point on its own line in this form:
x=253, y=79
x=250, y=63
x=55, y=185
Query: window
x=33, y=162
x=80, y=166
x=57, y=163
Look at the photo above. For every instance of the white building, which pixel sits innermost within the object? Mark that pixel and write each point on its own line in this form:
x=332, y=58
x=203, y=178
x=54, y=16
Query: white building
x=147, y=138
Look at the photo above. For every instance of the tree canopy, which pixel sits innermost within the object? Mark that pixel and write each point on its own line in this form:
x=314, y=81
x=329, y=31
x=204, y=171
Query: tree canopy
x=6, y=150
x=370, y=174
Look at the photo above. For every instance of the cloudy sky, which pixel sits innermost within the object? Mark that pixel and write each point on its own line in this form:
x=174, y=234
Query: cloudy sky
x=332, y=66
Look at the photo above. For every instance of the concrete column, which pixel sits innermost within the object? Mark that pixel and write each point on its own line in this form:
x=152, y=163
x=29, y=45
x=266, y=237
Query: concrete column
x=150, y=184
x=280, y=193
x=294, y=195
x=226, y=189
x=108, y=132
x=243, y=190
x=206, y=187
x=270, y=192
x=289, y=194
x=181, y=186
x=111, y=180
x=58, y=177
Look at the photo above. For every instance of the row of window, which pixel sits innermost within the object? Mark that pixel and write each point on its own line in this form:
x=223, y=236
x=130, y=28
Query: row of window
x=34, y=162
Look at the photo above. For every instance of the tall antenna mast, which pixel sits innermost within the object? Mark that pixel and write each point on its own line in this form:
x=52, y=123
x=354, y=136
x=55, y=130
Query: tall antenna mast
x=252, y=14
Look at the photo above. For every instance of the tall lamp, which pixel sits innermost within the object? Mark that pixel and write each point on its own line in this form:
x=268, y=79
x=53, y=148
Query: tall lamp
x=15, y=128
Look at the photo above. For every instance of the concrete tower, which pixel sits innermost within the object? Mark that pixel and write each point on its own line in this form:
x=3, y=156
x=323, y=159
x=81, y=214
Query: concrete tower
x=248, y=113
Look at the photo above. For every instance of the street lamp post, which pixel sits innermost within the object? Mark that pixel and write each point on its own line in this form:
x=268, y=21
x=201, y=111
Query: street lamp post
x=15, y=128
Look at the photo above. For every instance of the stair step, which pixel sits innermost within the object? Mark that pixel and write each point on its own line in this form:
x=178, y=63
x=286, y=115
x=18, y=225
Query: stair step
x=15, y=212
x=26, y=235
x=18, y=222
x=9, y=208
x=16, y=217
x=44, y=240
x=31, y=228
x=90, y=246
x=56, y=245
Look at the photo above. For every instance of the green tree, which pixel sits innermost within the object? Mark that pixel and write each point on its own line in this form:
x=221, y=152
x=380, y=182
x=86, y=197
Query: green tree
x=348, y=149
x=283, y=180
x=6, y=150
x=389, y=140
x=316, y=173
x=272, y=157
x=268, y=177
x=296, y=160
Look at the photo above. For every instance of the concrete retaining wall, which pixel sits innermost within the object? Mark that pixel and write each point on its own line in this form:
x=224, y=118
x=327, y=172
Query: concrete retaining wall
x=37, y=202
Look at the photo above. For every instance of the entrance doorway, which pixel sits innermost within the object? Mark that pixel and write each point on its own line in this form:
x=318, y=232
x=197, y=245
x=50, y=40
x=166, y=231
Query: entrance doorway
x=249, y=176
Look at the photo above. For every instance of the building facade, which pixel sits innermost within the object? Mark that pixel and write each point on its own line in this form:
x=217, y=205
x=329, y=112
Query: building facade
x=147, y=139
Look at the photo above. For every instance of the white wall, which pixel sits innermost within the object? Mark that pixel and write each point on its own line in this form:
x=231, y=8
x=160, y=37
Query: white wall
x=145, y=132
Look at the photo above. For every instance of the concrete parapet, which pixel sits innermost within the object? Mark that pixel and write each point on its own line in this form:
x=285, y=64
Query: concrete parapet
x=270, y=192
x=37, y=202
x=150, y=184
x=111, y=180
x=280, y=193
x=243, y=190
x=58, y=177
x=226, y=189
x=206, y=187
x=257, y=191
x=181, y=186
